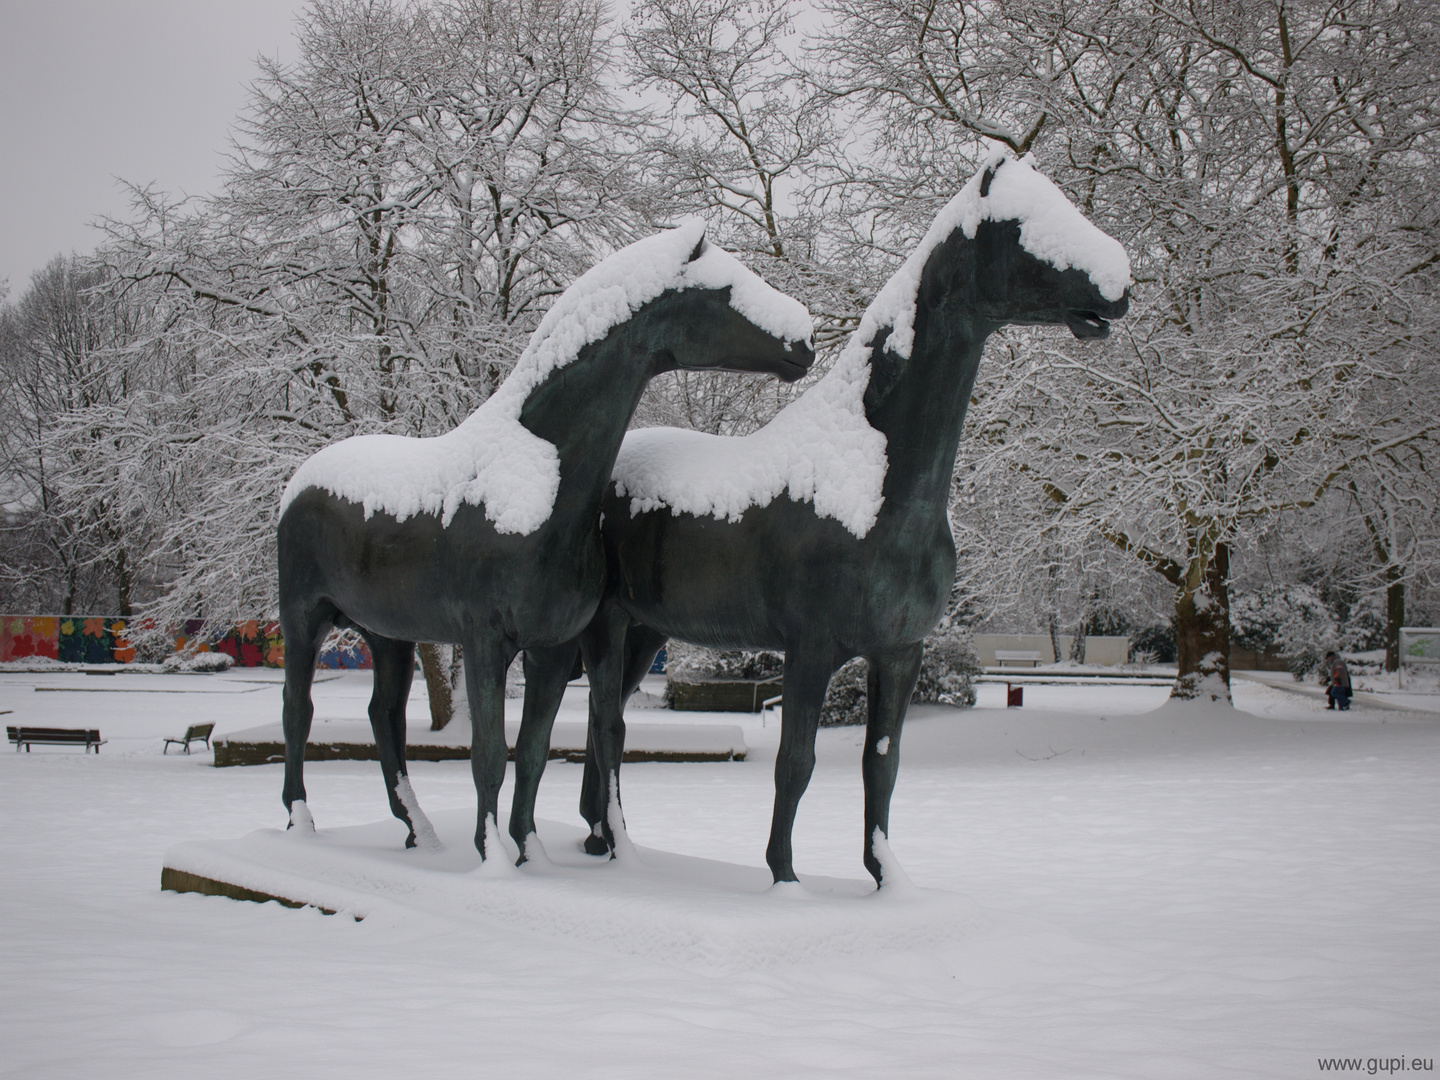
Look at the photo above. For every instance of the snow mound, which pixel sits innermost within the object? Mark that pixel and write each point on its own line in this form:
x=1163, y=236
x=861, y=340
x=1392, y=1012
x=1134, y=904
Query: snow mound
x=820, y=448
x=694, y=913
x=491, y=459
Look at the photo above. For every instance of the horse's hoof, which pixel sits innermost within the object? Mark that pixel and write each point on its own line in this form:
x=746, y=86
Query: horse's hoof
x=596, y=845
x=300, y=819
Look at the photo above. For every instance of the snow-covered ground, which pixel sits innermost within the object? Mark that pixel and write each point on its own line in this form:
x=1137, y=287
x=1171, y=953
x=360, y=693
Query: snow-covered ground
x=1133, y=895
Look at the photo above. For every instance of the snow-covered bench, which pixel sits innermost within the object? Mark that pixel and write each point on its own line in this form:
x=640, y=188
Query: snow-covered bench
x=54, y=736
x=194, y=733
x=1017, y=656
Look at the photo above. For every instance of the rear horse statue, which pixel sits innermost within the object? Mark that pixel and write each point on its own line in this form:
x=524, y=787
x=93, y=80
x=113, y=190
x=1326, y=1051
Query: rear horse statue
x=489, y=534
x=826, y=533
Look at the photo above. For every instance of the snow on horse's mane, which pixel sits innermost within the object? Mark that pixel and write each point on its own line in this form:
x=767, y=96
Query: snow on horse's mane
x=820, y=448
x=491, y=458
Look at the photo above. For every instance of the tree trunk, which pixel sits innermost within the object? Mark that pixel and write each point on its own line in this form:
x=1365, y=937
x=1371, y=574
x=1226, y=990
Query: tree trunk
x=1077, y=644
x=122, y=585
x=1202, y=633
x=1394, y=615
x=1055, y=639
x=435, y=664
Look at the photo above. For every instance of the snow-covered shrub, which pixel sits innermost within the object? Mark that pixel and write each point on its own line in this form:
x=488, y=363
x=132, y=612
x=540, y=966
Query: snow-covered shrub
x=947, y=673
x=1364, y=626
x=1153, y=645
x=845, y=700
x=198, y=661
x=948, y=669
x=514, y=680
x=1292, y=620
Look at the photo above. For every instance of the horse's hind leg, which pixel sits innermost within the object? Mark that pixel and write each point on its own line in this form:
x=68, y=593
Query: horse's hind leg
x=806, y=678
x=891, y=682
x=303, y=631
x=641, y=645
x=487, y=656
x=546, y=673
x=394, y=672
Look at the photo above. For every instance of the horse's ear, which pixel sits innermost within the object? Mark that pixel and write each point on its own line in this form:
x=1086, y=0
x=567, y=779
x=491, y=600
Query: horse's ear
x=699, y=249
x=989, y=175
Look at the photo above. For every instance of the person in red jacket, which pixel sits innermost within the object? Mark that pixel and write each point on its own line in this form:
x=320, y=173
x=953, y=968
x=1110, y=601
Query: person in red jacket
x=1337, y=682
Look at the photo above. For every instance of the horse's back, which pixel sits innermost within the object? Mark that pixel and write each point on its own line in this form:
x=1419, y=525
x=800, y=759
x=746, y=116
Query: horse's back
x=779, y=575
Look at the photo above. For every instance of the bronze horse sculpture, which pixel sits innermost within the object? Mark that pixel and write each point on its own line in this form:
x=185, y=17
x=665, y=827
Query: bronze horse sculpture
x=826, y=534
x=489, y=535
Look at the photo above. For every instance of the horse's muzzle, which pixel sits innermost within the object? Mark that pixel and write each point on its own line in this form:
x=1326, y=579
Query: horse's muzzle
x=1087, y=325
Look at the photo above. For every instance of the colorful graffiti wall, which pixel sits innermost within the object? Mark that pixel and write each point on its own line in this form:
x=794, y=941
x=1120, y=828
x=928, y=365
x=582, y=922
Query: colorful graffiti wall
x=100, y=639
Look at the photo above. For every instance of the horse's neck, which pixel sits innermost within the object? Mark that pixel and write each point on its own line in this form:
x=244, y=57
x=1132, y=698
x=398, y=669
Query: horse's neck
x=918, y=404
x=583, y=410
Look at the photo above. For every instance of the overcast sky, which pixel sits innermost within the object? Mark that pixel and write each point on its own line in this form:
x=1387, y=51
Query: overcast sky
x=92, y=90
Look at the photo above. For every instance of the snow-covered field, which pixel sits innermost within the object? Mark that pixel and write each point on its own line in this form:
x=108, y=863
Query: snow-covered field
x=1119, y=893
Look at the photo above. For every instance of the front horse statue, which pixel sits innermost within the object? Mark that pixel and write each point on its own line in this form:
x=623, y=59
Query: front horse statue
x=826, y=533
x=489, y=534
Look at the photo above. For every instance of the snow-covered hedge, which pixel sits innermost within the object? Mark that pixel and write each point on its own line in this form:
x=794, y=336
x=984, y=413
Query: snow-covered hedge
x=685, y=662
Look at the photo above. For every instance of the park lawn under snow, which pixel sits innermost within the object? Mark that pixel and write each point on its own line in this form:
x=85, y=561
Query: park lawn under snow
x=1134, y=895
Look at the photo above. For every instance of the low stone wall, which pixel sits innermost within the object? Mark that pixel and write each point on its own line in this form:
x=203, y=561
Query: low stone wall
x=722, y=695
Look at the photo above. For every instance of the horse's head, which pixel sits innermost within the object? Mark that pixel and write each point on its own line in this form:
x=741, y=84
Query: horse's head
x=1019, y=252
x=719, y=315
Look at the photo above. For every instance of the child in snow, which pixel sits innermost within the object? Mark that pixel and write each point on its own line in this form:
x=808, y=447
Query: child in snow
x=1337, y=682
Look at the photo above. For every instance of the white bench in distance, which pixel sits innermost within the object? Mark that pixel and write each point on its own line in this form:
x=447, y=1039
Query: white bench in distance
x=1017, y=657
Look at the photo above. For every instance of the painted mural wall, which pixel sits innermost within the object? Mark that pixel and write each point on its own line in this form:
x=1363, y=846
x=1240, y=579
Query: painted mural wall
x=102, y=639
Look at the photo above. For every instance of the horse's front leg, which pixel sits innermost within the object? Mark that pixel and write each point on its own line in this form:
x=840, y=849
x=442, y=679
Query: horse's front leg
x=487, y=656
x=807, y=675
x=890, y=684
x=546, y=673
x=394, y=664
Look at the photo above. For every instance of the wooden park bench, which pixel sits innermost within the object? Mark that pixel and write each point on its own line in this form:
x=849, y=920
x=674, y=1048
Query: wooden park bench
x=54, y=736
x=194, y=733
x=1017, y=656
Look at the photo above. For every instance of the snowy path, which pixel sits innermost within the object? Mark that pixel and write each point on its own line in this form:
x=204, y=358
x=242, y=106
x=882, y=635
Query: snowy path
x=1211, y=897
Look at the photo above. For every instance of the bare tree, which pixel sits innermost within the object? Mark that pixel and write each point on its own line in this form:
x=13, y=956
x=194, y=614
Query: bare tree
x=1395, y=496
x=407, y=198
x=737, y=139
x=68, y=369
